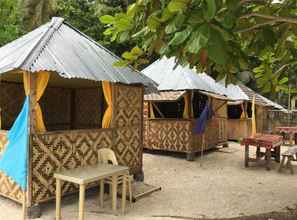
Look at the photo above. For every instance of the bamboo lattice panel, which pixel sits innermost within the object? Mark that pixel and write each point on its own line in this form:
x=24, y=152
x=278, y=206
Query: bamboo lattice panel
x=10, y=189
x=63, y=150
x=171, y=135
x=12, y=97
x=127, y=119
x=145, y=124
x=88, y=108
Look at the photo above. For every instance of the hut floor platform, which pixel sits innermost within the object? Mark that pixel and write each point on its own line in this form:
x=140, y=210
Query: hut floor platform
x=217, y=187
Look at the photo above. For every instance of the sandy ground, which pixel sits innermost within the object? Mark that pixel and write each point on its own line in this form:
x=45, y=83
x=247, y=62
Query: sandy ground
x=221, y=187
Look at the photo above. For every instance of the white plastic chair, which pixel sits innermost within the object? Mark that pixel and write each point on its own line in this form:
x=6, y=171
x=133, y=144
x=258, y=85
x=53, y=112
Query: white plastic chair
x=106, y=155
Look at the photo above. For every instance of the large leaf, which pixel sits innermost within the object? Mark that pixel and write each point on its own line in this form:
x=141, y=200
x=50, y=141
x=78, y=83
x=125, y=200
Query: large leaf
x=177, y=5
x=216, y=48
x=180, y=37
x=107, y=19
x=211, y=9
x=198, y=39
x=153, y=23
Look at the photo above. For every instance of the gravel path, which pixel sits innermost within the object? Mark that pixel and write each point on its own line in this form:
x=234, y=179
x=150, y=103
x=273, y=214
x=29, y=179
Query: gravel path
x=220, y=188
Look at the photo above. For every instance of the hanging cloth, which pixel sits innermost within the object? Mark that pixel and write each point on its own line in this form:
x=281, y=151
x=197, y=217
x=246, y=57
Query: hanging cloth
x=42, y=79
x=242, y=116
x=106, y=86
x=254, y=126
x=152, y=113
x=201, y=122
x=186, y=114
x=15, y=156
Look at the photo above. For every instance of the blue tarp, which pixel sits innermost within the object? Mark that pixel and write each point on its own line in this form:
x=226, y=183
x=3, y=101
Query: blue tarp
x=202, y=120
x=14, y=159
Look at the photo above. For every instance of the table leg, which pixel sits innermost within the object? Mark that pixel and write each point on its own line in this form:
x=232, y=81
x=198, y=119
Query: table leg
x=278, y=154
x=58, y=199
x=114, y=192
x=101, y=193
x=246, y=157
x=124, y=193
x=82, y=189
x=268, y=158
x=258, y=153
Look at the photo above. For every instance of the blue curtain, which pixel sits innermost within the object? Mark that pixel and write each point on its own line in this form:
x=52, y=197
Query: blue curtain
x=14, y=159
x=201, y=122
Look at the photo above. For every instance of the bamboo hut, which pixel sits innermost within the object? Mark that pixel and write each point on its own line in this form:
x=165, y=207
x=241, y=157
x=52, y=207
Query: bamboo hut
x=170, y=113
x=73, y=101
x=240, y=111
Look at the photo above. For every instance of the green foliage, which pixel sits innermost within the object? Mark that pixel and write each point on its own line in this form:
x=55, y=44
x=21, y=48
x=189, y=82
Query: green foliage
x=222, y=37
x=9, y=22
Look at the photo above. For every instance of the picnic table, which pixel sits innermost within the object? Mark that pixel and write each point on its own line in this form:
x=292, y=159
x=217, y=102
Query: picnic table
x=271, y=144
x=290, y=130
x=89, y=174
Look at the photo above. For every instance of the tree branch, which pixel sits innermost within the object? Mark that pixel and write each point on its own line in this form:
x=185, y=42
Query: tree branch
x=257, y=26
x=270, y=17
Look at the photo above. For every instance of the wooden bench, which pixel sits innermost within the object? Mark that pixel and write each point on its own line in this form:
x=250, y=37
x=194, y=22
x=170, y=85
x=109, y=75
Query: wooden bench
x=289, y=155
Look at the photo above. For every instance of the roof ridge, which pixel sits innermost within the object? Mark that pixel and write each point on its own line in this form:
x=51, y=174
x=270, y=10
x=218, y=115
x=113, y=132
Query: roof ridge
x=29, y=59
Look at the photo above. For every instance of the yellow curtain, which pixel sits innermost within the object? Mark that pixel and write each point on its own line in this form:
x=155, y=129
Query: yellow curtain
x=106, y=86
x=42, y=79
x=254, y=128
x=186, y=107
x=152, y=114
x=242, y=116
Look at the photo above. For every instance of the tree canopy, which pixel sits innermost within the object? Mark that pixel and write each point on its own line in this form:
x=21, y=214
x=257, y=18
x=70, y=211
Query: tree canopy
x=222, y=37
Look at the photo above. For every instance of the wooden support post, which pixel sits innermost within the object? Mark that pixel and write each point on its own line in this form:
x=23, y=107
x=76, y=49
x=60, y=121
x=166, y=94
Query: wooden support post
x=24, y=206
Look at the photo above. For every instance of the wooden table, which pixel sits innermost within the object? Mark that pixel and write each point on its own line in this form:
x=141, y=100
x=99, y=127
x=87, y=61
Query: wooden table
x=291, y=131
x=88, y=174
x=271, y=143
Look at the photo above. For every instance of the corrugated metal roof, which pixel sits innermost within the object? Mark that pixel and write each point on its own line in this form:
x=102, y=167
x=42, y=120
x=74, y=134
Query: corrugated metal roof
x=164, y=96
x=59, y=47
x=170, y=76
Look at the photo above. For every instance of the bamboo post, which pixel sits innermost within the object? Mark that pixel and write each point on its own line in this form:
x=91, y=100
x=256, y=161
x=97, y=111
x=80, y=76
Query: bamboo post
x=24, y=206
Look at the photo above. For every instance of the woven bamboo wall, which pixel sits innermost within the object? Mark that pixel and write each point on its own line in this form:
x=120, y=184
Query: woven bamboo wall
x=128, y=121
x=53, y=151
x=177, y=135
x=63, y=150
x=169, y=134
x=12, y=97
x=145, y=124
x=56, y=108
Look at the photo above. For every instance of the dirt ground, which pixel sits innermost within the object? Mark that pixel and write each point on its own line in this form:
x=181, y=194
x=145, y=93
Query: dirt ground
x=218, y=186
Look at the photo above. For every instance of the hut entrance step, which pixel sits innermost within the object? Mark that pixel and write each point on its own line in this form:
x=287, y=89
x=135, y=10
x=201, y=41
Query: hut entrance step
x=140, y=190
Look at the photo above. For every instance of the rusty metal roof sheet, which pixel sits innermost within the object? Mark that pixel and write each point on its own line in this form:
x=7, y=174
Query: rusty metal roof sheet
x=57, y=46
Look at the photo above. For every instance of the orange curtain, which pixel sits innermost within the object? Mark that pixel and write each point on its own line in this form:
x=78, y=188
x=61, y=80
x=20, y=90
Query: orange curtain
x=186, y=113
x=243, y=111
x=42, y=79
x=106, y=86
